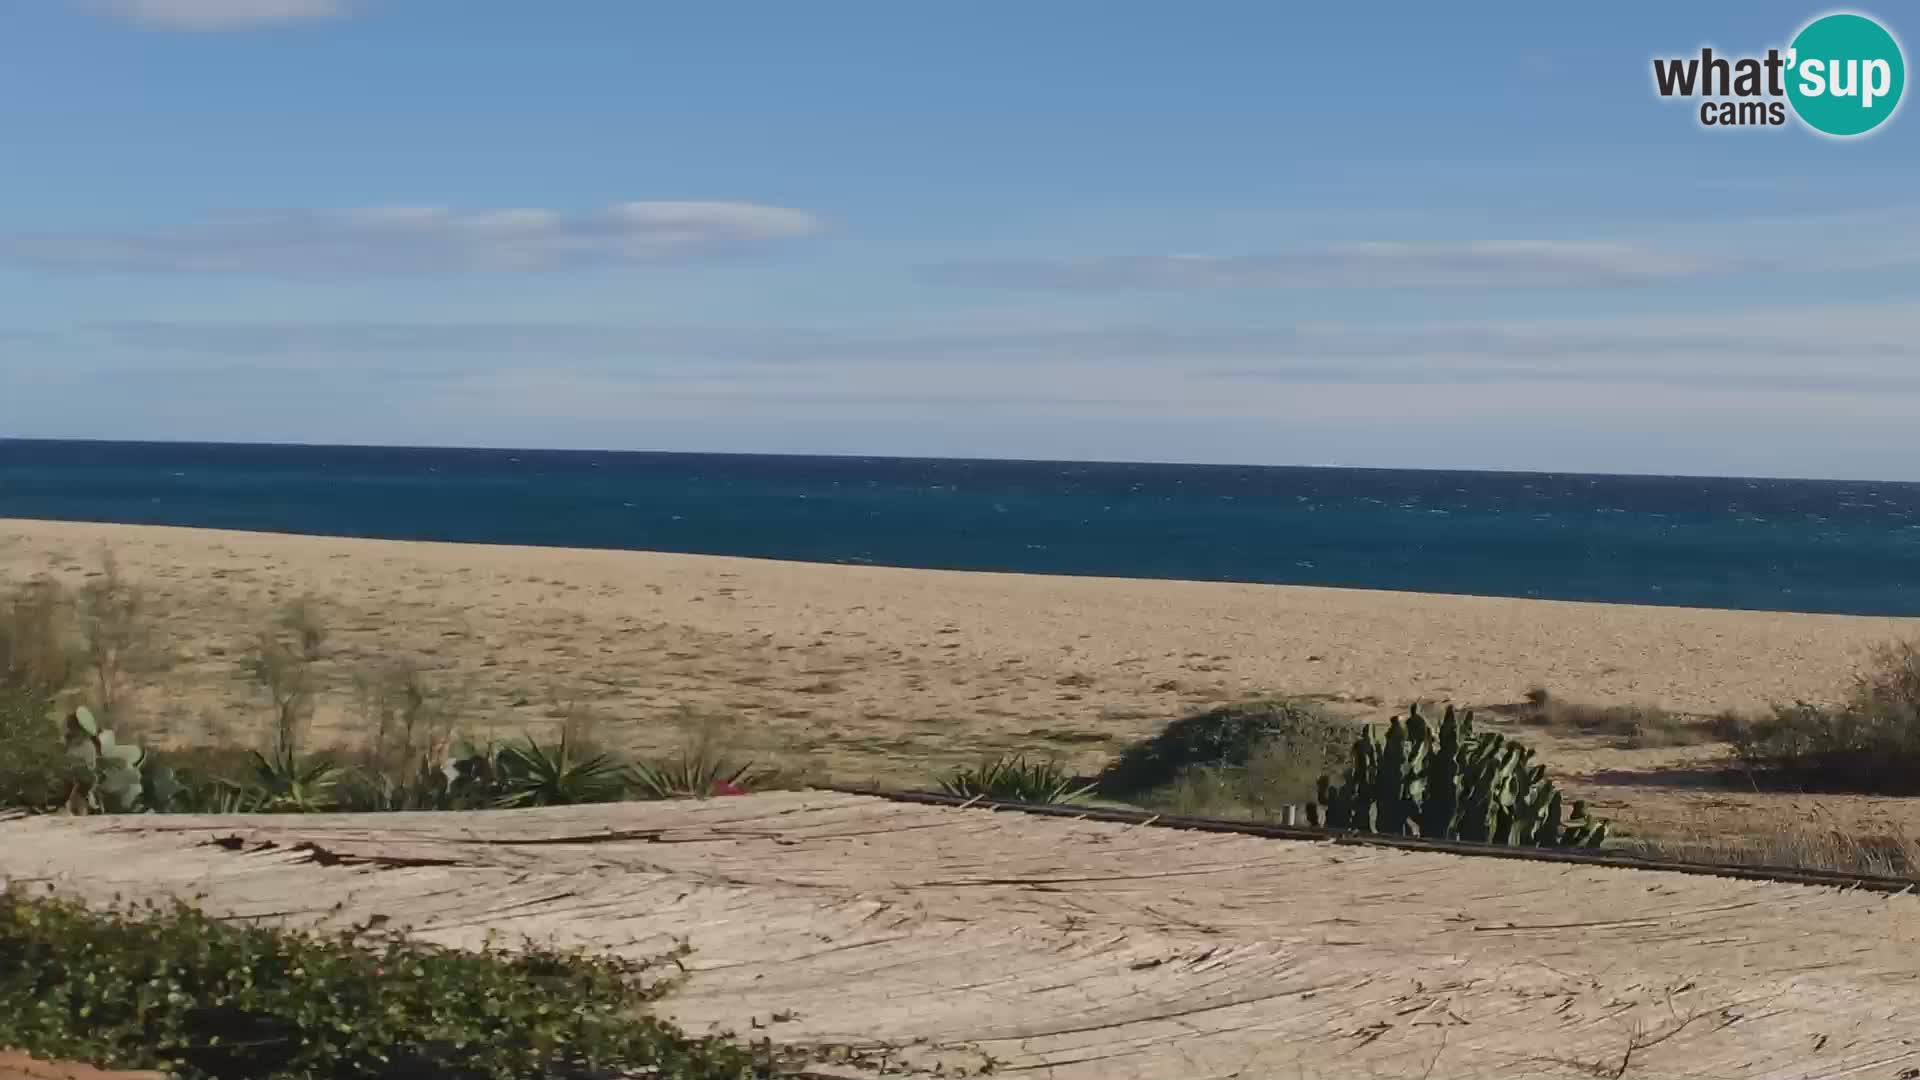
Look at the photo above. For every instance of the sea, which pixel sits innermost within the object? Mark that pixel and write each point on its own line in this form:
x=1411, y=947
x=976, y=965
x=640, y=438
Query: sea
x=1784, y=545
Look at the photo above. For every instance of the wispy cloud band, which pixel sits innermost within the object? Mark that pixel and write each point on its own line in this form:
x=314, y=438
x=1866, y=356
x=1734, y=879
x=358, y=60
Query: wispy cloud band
x=1872, y=337
x=408, y=240
x=1382, y=265
x=219, y=15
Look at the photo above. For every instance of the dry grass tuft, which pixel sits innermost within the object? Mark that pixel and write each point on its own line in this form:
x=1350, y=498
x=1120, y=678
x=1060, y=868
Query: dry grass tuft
x=284, y=660
x=1799, y=849
x=1631, y=727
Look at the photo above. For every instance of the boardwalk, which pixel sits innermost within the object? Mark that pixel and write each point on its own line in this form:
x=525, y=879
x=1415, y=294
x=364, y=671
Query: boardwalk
x=1083, y=950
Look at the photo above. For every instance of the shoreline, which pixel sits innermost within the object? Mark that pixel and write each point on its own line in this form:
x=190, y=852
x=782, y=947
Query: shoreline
x=777, y=561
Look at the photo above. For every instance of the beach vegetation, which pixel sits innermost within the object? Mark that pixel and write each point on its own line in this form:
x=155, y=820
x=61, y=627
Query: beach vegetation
x=283, y=782
x=1629, y=727
x=107, y=775
x=117, y=637
x=283, y=660
x=39, y=655
x=408, y=715
x=1278, y=746
x=1451, y=782
x=38, y=665
x=1869, y=742
x=700, y=769
x=1813, y=845
x=528, y=772
x=34, y=766
x=166, y=987
x=1276, y=779
x=1016, y=778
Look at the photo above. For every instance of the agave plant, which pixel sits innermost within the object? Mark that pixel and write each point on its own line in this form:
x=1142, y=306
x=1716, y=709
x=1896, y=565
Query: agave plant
x=1015, y=779
x=696, y=772
x=560, y=773
x=287, y=784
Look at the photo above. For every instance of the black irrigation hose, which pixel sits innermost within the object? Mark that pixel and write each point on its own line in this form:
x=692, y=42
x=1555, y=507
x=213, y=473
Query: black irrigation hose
x=1579, y=857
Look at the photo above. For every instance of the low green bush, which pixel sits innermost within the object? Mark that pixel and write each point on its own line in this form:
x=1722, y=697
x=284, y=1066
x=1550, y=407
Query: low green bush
x=1275, y=778
x=1868, y=743
x=1288, y=743
x=170, y=988
x=35, y=771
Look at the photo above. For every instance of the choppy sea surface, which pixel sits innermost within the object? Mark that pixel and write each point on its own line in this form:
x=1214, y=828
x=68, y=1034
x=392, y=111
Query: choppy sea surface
x=1793, y=545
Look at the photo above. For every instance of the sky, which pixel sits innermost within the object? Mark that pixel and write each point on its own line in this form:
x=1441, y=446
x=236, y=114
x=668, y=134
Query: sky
x=1392, y=235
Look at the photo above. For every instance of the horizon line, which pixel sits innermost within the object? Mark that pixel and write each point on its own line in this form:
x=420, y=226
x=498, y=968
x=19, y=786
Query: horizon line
x=4, y=439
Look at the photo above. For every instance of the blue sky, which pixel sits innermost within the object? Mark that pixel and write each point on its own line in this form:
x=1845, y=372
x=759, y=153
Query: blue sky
x=1400, y=235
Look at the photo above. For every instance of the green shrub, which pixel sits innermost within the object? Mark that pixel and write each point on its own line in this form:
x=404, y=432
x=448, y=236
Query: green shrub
x=35, y=771
x=205, y=999
x=1275, y=777
x=426, y=787
x=285, y=783
x=1450, y=783
x=698, y=771
x=1301, y=743
x=559, y=773
x=1870, y=742
x=1015, y=779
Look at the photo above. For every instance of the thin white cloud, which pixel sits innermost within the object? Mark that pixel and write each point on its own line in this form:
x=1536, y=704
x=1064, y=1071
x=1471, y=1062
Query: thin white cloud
x=1770, y=348
x=220, y=15
x=1529, y=264
x=408, y=240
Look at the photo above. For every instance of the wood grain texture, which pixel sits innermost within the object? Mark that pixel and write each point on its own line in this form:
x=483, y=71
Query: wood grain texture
x=1073, y=949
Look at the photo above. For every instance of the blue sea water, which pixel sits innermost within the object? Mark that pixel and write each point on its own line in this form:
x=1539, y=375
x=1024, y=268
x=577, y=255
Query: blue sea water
x=1793, y=545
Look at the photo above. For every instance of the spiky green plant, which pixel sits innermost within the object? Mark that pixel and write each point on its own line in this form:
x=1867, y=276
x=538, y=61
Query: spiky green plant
x=559, y=773
x=1453, y=783
x=285, y=783
x=1013, y=778
x=696, y=772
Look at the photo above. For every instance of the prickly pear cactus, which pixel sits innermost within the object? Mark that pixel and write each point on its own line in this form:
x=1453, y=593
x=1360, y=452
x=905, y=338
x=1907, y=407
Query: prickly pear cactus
x=110, y=776
x=1450, y=783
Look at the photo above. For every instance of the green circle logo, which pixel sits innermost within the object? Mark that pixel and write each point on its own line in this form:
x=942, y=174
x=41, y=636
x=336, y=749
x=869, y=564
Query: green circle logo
x=1845, y=74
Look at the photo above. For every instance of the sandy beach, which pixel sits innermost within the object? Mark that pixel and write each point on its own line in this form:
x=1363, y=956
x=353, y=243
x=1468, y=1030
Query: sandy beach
x=872, y=673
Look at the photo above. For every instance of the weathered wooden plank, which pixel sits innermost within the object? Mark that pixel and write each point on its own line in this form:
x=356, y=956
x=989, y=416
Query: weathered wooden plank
x=1082, y=949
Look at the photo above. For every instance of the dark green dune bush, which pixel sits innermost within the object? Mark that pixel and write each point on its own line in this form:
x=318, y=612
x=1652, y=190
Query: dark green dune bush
x=1279, y=737
x=170, y=988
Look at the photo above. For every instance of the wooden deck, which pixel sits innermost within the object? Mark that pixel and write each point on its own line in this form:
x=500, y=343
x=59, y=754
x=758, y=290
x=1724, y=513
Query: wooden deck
x=1083, y=950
